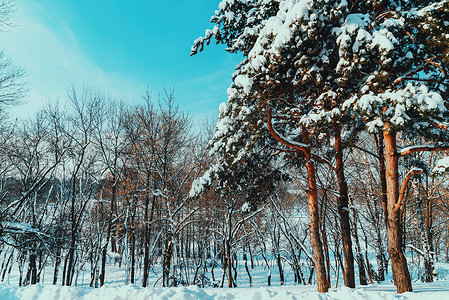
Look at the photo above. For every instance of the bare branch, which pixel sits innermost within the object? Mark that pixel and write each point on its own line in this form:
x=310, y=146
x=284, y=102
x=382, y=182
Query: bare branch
x=404, y=186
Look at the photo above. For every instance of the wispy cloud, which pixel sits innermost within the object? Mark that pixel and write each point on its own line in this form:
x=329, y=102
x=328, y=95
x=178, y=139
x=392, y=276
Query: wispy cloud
x=53, y=58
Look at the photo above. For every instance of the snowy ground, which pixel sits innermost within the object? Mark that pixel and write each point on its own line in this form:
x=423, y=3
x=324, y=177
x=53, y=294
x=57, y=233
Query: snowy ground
x=116, y=289
x=434, y=291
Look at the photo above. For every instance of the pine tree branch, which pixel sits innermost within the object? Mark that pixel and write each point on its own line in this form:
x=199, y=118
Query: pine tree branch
x=409, y=175
x=291, y=144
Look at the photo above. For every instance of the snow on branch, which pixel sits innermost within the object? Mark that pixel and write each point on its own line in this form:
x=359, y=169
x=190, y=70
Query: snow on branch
x=415, y=249
x=15, y=227
x=434, y=6
x=442, y=166
x=200, y=184
x=421, y=148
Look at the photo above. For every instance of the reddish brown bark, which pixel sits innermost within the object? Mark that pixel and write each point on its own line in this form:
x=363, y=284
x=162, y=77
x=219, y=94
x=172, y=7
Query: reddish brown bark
x=314, y=227
x=401, y=275
x=317, y=246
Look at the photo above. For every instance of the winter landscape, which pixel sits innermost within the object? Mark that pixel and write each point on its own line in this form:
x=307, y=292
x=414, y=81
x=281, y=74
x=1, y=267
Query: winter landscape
x=324, y=174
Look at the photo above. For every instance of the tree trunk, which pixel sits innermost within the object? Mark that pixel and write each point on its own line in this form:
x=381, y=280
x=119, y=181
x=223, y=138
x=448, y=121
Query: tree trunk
x=358, y=251
x=5, y=270
x=343, y=210
x=317, y=246
x=326, y=254
x=428, y=262
x=70, y=259
x=167, y=256
x=57, y=263
x=71, y=254
x=103, y=263
x=64, y=270
x=382, y=172
x=146, y=258
x=268, y=266
x=401, y=275
x=280, y=268
x=245, y=259
x=148, y=219
x=380, y=256
x=133, y=255
x=314, y=225
x=382, y=267
x=429, y=233
x=229, y=263
x=112, y=212
x=224, y=264
x=33, y=269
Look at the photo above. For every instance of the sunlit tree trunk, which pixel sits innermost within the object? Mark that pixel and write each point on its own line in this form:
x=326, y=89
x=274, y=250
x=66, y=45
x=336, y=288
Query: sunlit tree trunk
x=401, y=275
x=314, y=226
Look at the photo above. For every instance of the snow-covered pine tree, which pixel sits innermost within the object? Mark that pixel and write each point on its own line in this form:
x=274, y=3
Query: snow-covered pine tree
x=246, y=167
x=314, y=64
x=402, y=95
x=237, y=24
x=264, y=83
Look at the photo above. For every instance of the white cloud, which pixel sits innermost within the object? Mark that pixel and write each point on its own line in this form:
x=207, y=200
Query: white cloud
x=53, y=58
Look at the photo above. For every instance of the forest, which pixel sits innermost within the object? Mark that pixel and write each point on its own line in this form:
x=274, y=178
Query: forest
x=326, y=165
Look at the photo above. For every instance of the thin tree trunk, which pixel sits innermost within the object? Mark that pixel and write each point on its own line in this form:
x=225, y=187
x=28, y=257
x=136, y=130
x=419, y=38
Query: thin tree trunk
x=326, y=254
x=146, y=258
x=281, y=270
x=64, y=270
x=358, y=251
x=245, y=259
x=112, y=212
x=382, y=172
x=343, y=210
x=71, y=256
x=382, y=267
x=148, y=219
x=167, y=256
x=103, y=263
x=428, y=263
x=33, y=269
x=133, y=255
x=229, y=263
x=268, y=266
x=429, y=233
x=6, y=266
x=108, y=235
x=224, y=264
x=380, y=256
x=57, y=263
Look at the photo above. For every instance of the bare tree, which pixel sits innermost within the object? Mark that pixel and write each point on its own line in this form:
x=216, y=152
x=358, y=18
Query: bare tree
x=86, y=106
x=12, y=86
x=111, y=143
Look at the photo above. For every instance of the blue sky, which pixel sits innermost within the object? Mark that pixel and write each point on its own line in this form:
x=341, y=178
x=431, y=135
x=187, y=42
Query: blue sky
x=121, y=48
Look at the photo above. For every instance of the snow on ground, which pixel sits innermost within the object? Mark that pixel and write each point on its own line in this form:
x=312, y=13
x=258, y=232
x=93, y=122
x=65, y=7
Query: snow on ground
x=433, y=291
x=116, y=289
